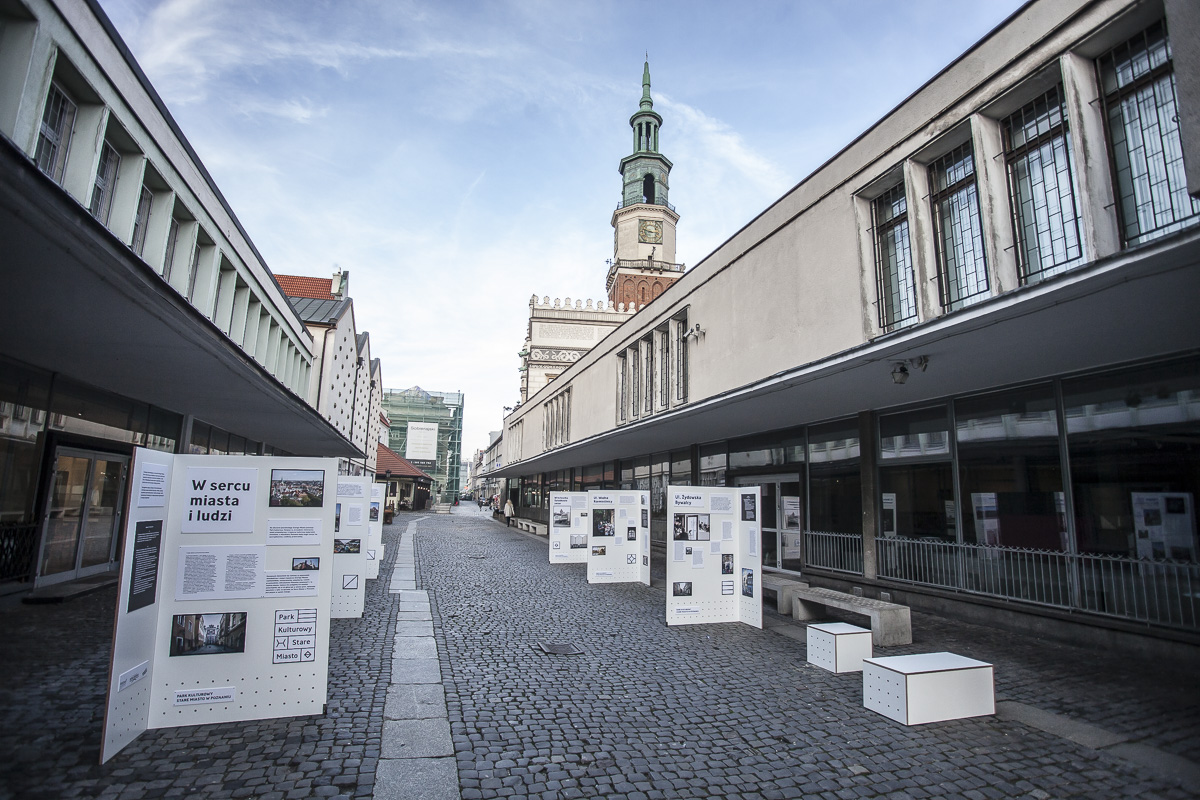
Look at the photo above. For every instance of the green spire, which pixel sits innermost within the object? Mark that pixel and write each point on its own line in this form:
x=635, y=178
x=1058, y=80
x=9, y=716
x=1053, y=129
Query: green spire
x=647, y=103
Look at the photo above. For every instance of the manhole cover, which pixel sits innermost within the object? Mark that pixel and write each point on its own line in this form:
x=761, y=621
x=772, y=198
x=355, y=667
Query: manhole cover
x=560, y=649
x=476, y=556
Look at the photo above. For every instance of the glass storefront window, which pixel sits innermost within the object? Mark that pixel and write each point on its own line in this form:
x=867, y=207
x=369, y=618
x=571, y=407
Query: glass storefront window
x=23, y=399
x=1134, y=443
x=712, y=465
x=1010, y=477
x=914, y=434
x=917, y=501
x=593, y=477
x=834, y=483
x=681, y=468
x=769, y=450
x=200, y=434
x=87, y=411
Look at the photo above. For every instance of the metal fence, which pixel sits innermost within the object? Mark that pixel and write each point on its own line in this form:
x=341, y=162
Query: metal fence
x=1155, y=592
x=840, y=552
x=18, y=546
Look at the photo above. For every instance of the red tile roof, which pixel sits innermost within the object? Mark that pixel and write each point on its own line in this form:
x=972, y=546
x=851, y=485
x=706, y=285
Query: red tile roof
x=386, y=459
x=304, y=286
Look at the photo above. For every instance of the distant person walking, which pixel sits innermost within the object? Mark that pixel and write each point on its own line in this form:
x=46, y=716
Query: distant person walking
x=479, y=501
x=508, y=512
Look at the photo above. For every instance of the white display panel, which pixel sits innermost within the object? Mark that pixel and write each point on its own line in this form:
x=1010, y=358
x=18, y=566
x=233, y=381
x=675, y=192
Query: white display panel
x=351, y=541
x=228, y=623
x=714, y=566
x=374, y=552
x=421, y=442
x=618, y=529
x=568, y=532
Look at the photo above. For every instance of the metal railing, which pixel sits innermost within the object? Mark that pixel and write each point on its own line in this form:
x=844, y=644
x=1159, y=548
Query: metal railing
x=1154, y=592
x=18, y=550
x=642, y=201
x=840, y=552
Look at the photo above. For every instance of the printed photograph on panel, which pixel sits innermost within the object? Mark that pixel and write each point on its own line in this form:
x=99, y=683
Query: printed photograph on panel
x=297, y=488
x=374, y=511
x=727, y=564
x=631, y=534
x=679, y=531
x=602, y=522
x=208, y=634
x=311, y=562
x=645, y=518
x=599, y=550
x=749, y=509
x=337, y=517
x=681, y=589
x=578, y=541
x=347, y=545
x=703, y=528
x=561, y=516
x=747, y=582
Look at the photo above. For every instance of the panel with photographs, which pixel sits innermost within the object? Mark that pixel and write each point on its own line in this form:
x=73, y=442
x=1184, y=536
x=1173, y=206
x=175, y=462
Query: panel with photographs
x=692, y=527
x=208, y=634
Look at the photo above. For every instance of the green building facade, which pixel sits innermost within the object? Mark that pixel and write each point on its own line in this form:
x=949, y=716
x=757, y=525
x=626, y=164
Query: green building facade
x=426, y=428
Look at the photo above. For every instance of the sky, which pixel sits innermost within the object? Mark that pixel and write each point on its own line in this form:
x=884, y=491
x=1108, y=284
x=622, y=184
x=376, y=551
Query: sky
x=458, y=157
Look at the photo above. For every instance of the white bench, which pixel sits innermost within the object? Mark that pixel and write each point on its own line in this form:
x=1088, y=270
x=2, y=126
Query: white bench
x=891, y=624
x=782, y=587
x=930, y=687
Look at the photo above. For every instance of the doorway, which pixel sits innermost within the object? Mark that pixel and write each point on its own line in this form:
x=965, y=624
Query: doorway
x=83, y=515
x=782, y=524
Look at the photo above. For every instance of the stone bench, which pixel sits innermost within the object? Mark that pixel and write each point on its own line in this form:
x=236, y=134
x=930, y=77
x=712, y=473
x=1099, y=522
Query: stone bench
x=529, y=526
x=891, y=624
x=783, y=587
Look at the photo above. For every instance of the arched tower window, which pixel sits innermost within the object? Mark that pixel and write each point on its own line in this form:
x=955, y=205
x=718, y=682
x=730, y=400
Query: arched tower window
x=648, y=188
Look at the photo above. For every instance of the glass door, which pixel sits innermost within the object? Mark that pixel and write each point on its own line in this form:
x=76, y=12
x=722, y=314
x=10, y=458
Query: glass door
x=83, y=515
x=782, y=522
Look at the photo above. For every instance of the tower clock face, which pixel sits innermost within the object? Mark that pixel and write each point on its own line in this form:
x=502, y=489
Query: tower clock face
x=650, y=231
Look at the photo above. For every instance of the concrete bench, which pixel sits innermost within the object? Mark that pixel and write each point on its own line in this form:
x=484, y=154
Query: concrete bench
x=529, y=526
x=783, y=587
x=891, y=624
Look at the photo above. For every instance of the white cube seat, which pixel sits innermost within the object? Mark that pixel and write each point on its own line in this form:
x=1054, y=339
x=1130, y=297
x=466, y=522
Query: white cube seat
x=838, y=647
x=930, y=687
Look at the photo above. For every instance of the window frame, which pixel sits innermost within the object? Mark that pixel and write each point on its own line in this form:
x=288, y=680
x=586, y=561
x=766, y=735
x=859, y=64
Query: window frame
x=967, y=183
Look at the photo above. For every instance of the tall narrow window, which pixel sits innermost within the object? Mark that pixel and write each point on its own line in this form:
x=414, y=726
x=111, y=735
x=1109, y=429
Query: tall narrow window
x=621, y=400
x=141, y=221
x=635, y=382
x=1138, y=82
x=106, y=183
x=54, y=136
x=897, y=287
x=681, y=359
x=1038, y=153
x=962, y=268
x=172, y=240
x=193, y=269
x=664, y=366
x=648, y=355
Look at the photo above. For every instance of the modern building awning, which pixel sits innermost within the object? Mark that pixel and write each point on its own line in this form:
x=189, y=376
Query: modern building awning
x=1139, y=304
x=76, y=301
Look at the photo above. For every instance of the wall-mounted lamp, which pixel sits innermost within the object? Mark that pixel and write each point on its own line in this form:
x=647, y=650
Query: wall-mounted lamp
x=696, y=332
x=900, y=371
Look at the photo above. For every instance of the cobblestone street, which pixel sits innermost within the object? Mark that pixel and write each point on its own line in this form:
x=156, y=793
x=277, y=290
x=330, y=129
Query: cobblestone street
x=646, y=711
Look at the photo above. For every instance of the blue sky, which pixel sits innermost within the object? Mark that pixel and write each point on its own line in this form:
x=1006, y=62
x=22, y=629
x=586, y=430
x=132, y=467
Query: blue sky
x=459, y=157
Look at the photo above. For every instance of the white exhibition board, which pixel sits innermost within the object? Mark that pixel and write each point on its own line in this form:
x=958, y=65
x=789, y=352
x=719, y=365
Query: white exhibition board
x=225, y=587
x=375, y=526
x=568, y=528
x=351, y=540
x=714, y=564
x=618, y=527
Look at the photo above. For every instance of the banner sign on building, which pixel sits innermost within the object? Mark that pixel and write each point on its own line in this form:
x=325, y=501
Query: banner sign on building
x=421, y=444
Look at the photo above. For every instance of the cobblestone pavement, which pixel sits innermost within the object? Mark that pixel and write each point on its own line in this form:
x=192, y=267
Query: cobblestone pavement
x=646, y=711
x=703, y=711
x=55, y=667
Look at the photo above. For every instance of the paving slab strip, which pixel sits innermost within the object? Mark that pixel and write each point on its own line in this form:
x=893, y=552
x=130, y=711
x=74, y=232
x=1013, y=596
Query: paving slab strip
x=417, y=760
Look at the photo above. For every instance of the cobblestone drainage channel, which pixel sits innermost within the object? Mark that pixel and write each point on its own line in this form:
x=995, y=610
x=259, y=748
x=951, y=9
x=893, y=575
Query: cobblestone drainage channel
x=560, y=649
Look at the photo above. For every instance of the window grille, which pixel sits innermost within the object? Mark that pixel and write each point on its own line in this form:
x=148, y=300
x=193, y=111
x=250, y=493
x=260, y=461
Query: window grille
x=54, y=136
x=141, y=221
x=106, y=183
x=893, y=256
x=1045, y=220
x=962, y=267
x=1138, y=83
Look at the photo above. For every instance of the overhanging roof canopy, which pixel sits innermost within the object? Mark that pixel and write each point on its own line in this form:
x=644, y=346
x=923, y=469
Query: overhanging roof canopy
x=1136, y=305
x=76, y=301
